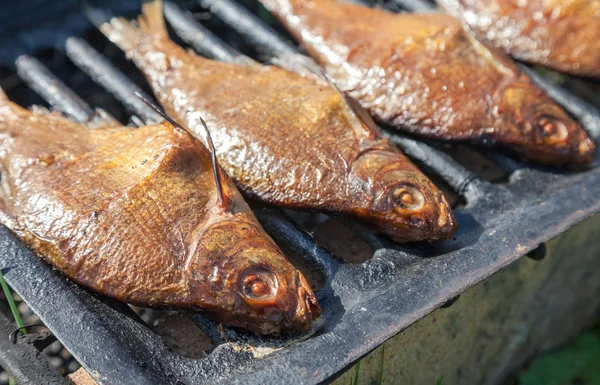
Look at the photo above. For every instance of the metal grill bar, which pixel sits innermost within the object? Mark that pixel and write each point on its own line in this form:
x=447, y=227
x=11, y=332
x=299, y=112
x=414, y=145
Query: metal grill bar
x=458, y=177
x=416, y=5
x=260, y=35
x=105, y=74
x=283, y=229
x=59, y=302
x=199, y=37
x=507, y=163
x=375, y=240
x=52, y=89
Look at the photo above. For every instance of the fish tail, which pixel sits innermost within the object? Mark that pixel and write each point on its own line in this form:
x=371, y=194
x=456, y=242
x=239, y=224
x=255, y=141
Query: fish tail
x=152, y=20
x=130, y=35
x=118, y=30
x=4, y=100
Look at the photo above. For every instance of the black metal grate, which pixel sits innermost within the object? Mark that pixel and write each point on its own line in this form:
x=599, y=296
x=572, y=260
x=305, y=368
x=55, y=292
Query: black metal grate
x=364, y=304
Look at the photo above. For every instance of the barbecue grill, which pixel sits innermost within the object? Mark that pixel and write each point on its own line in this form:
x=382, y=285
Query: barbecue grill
x=364, y=304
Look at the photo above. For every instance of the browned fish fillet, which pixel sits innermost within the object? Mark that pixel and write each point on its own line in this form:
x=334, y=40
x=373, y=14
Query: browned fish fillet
x=424, y=74
x=286, y=139
x=561, y=34
x=134, y=214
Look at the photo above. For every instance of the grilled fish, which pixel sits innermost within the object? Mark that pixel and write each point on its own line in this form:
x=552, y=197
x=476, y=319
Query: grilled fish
x=424, y=74
x=137, y=215
x=286, y=139
x=560, y=34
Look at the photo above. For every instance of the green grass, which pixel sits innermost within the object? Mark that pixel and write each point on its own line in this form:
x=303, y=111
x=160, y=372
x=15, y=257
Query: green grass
x=11, y=303
x=265, y=15
x=356, y=370
x=354, y=378
x=576, y=363
x=381, y=365
x=13, y=309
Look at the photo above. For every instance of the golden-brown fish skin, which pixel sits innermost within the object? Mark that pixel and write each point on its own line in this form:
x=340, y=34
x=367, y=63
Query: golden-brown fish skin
x=286, y=139
x=560, y=34
x=134, y=214
x=423, y=73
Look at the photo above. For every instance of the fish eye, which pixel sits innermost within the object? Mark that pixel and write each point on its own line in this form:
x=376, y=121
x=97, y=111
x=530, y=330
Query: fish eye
x=550, y=129
x=258, y=284
x=407, y=197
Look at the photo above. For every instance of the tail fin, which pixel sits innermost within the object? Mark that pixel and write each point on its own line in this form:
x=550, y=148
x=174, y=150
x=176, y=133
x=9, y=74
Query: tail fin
x=5, y=101
x=125, y=34
x=152, y=20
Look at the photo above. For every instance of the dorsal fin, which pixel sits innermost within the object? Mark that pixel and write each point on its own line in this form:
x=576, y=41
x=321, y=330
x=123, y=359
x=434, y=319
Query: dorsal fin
x=302, y=65
x=211, y=147
x=355, y=106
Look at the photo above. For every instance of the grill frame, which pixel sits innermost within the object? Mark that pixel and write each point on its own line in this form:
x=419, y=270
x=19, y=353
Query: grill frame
x=397, y=287
x=23, y=361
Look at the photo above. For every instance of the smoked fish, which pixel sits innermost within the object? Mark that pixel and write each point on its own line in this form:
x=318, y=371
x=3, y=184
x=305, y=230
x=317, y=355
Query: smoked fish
x=287, y=139
x=136, y=214
x=426, y=75
x=561, y=34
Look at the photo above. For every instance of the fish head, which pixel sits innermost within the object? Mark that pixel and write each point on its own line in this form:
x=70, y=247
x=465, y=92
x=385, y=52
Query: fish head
x=248, y=282
x=401, y=201
x=542, y=130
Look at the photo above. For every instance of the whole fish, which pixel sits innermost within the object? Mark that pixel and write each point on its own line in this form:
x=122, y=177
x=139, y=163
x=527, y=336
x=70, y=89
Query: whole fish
x=424, y=74
x=137, y=215
x=286, y=139
x=560, y=34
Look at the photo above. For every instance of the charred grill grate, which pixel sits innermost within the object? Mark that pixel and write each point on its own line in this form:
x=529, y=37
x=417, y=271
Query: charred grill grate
x=364, y=304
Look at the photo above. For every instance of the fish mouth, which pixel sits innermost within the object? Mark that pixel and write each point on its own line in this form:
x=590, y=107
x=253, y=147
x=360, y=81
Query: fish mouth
x=576, y=156
x=308, y=308
x=274, y=321
x=423, y=227
x=556, y=140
